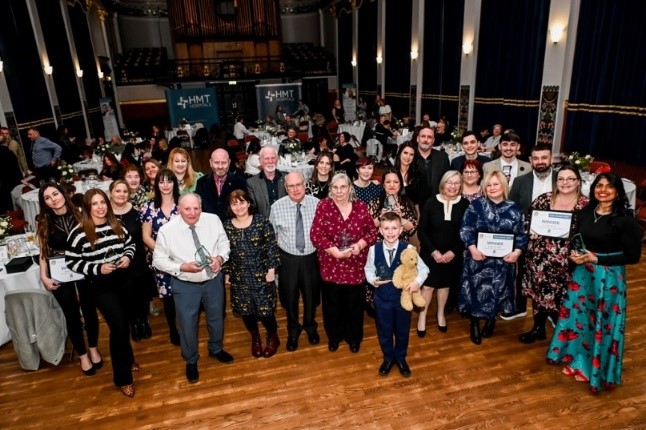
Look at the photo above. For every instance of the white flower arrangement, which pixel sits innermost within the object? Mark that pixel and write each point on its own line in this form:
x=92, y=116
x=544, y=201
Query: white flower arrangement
x=456, y=135
x=67, y=172
x=102, y=148
x=5, y=226
x=582, y=162
x=292, y=146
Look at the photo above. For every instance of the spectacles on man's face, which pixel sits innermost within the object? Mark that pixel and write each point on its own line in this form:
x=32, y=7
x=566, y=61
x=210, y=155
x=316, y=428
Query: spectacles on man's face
x=568, y=180
x=295, y=186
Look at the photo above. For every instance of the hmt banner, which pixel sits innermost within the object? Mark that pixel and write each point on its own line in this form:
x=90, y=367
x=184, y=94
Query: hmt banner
x=192, y=105
x=268, y=96
x=110, y=126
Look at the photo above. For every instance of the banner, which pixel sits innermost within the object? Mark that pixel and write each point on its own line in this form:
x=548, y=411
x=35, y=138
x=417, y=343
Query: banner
x=195, y=105
x=349, y=101
x=110, y=125
x=269, y=96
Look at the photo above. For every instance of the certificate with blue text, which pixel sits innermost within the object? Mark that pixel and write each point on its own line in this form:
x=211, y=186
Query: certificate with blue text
x=495, y=244
x=554, y=224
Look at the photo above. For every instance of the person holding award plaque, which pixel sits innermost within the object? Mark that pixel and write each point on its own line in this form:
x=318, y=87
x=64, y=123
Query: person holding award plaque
x=251, y=271
x=492, y=231
x=342, y=232
x=393, y=199
x=589, y=336
x=100, y=248
x=57, y=218
x=547, y=268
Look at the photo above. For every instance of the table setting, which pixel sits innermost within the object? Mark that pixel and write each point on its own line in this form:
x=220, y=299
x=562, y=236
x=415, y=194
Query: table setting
x=296, y=162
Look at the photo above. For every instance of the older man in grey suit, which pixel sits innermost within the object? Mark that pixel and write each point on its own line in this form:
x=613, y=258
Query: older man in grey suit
x=269, y=185
x=508, y=164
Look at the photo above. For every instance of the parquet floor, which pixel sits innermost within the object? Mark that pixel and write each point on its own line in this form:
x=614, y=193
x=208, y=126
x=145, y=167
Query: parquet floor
x=501, y=384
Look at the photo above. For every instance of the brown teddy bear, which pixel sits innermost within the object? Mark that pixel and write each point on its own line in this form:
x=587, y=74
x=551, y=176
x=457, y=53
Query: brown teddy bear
x=404, y=275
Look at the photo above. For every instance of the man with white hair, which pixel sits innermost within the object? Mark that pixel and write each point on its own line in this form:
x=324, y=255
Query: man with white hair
x=269, y=185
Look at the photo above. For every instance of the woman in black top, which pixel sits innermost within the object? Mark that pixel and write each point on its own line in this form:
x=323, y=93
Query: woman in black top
x=111, y=167
x=57, y=218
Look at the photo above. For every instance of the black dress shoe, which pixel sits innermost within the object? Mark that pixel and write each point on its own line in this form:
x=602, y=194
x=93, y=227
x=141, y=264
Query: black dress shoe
x=222, y=356
x=354, y=347
x=313, y=338
x=421, y=333
x=292, y=343
x=332, y=346
x=489, y=326
x=98, y=365
x=192, y=375
x=475, y=331
x=403, y=368
x=385, y=367
x=536, y=333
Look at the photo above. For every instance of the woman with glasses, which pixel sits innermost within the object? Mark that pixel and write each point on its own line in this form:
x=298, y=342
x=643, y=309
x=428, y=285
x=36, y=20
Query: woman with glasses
x=342, y=232
x=101, y=249
x=547, y=269
x=442, y=250
x=471, y=171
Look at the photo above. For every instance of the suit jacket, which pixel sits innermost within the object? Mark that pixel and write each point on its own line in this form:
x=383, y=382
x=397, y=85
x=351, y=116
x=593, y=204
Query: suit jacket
x=430, y=186
x=257, y=189
x=523, y=167
x=211, y=201
x=521, y=191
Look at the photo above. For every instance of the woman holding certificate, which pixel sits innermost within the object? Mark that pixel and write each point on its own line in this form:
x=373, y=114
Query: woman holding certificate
x=547, y=271
x=589, y=336
x=492, y=230
x=57, y=218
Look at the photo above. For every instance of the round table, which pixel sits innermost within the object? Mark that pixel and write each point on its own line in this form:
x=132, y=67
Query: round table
x=87, y=165
x=301, y=166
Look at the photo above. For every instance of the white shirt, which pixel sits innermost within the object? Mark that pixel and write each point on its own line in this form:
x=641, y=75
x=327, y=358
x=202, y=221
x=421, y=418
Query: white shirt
x=541, y=186
x=175, y=245
x=239, y=130
x=492, y=142
x=371, y=271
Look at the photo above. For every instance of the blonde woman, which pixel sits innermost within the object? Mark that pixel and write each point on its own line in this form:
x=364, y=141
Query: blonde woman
x=179, y=161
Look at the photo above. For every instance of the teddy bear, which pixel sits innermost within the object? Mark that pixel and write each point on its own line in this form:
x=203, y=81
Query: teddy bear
x=404, y=275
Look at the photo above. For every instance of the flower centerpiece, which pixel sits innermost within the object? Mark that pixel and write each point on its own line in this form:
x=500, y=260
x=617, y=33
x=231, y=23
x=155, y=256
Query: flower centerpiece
x=67, y=172
x=582, y=162
x=130, y=136
x=102, y=148
x=456, y=135
x=5, y=226
x=292, y=146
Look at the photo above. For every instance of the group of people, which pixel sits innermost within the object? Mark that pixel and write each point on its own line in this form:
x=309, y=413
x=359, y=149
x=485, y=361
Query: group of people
x=331, y=241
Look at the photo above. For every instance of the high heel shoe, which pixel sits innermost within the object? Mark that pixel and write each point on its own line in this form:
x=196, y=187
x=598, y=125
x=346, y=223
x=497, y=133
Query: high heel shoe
x=475, y=331
x=442, y=328
x=128, y=390
x=89, y=372
x=98, y=364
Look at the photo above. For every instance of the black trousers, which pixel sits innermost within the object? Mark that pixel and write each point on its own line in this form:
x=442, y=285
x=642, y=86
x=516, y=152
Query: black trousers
x=343, y=312
x=110, y=295
x=299, y=276
x=139, y=288
x=521, y=300
x=66, y=297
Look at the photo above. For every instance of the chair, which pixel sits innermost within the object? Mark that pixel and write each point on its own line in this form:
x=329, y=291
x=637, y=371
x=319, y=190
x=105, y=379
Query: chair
x=303, y=137
x=374, y=149
x=595, y=166
x=18, y=222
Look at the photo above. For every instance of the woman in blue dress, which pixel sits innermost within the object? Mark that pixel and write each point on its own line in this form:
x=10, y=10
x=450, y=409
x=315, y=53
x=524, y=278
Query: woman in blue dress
x=589, y=336
x=487, y=285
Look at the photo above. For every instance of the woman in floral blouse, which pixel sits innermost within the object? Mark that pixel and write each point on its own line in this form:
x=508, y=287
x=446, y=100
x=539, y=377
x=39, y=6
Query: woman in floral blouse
x=342, y=232
x=393, y=199
x=138, y=194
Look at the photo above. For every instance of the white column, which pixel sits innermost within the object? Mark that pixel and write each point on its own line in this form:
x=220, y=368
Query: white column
x=5, y=98
x=106, y=47
x=468, y=65
x=559, y=58
x=381, y=46
x=355, y=47
x=417, y=45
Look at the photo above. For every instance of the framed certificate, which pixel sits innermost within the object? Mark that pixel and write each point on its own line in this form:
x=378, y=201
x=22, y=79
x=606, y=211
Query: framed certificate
x=551, y=223
x=495, y=244
x=59, y=271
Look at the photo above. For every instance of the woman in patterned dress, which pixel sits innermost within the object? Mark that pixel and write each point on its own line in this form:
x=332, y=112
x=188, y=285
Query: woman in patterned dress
x=547, y=273
x=153, y=216
x=487, y=285
x=342, y=232
x=138, y=194
x=393, y=199
x=251, y=270
x=365, y=187
x=471, y=171
x=589, y=336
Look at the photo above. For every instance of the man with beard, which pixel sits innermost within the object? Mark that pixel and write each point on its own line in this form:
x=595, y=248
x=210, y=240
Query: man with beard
x=508, y=164
x=525, y=189
x=269, y=185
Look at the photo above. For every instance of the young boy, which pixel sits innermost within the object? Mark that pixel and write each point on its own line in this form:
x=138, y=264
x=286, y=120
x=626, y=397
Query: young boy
x=392, y=320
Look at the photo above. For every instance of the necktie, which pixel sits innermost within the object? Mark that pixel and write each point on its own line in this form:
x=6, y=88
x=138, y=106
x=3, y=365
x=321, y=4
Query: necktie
x=390, y=256
x=218, y=183
x=300, y=231
x=200, y=249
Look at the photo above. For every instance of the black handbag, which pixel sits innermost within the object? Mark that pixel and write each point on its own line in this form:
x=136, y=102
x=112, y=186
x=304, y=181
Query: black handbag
x=20, y=264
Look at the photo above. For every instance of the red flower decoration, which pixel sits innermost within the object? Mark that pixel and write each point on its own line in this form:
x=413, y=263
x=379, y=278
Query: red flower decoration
x=607, y=327
x=564, y=312
x=576, y=306
x=593, y=317
x=574, y=286
x=567, y=335
x=556, y=350
x=613, y=290
x=602, y=305
x=596, y=362
x=567, y=358
x=597, y=336
x=591, y=297
x=582, y=299
x=586, y=345
x=616, y=309
x=614, y=348
x=579, y=325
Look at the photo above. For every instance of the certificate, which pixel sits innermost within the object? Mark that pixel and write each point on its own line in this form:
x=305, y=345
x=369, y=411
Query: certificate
x=59, y=271
x=495, y=244
x=551, y=223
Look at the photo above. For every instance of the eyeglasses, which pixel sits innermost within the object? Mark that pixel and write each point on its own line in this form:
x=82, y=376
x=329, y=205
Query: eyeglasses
x=340, y=187
x=294, y=186
x=470, y=172
x=568, y=180
x=453, y=184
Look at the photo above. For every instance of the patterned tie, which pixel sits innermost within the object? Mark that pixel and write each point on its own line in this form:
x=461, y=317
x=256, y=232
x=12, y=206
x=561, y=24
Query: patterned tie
x=300, y=231
x=200, y=249
x=390, y=256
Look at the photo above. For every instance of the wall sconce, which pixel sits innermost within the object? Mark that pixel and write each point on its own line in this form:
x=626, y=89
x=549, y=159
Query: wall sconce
x=49, y=70
x=556, y=33
x=467, y=48
x=79, y=73
x=353, y=62
x=1, y=66
x=414, y=54
x=100, y=74
x=379, y=59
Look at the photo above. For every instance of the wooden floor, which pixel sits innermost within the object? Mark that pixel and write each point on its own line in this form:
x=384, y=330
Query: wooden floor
x=501, y=384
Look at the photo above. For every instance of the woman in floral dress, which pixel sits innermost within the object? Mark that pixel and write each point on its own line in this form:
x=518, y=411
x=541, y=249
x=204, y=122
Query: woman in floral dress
x=153, y=216
x=547, y=271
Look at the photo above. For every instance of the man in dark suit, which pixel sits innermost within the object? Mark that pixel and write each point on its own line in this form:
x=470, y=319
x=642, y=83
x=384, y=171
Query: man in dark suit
x=431, y=164
x=525, y=189
x=214, y=188
x=470, y=149
x=269, y=185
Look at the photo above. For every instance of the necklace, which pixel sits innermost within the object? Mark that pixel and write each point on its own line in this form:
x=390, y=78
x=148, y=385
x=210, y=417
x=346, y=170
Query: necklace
x=594, y=213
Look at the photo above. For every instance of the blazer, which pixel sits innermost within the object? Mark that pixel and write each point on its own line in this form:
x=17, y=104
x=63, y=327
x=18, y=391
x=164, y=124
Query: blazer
x=429, y=187
x=211, y=201
x=521, y=191
x=257, y=189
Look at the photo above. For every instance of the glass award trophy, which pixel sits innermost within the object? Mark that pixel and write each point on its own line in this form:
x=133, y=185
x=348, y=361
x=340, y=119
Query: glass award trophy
x=203, y=257
x=344, y=241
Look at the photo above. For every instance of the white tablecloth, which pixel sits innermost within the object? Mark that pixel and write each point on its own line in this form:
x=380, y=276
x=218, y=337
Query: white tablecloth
x=190, y=130
x=88, y=164
x=354, y=130
x=629, y=186
x=30, y=205
x=301, y=166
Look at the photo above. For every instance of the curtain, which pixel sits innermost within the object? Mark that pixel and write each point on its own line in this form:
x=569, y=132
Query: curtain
x=606, y=110
x=442, y=57
x=344, y=41
x=511, y=48
x=366, y=57
x=397, y=56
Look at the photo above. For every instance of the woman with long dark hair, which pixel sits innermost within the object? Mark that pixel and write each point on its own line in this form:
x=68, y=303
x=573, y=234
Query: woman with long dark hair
x=319, y=183
x=57, y=218
x=101, y=249
x=393, y=199
x=407, y=168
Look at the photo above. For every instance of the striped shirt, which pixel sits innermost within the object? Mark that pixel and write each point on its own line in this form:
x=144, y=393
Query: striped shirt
x=80, y=257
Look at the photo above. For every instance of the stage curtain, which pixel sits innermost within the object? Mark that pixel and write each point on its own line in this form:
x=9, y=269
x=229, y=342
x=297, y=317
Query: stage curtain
x=344, y=41
x=397, y=56
x=366, y=58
